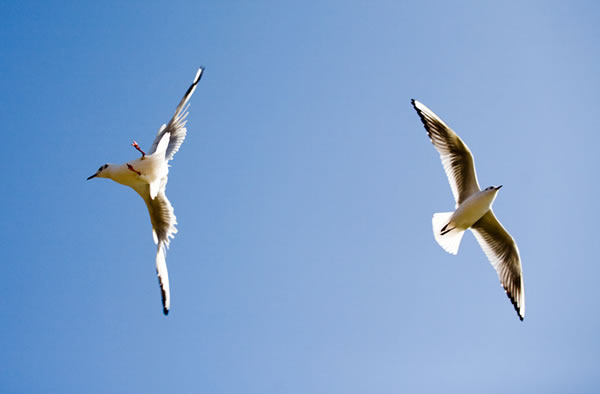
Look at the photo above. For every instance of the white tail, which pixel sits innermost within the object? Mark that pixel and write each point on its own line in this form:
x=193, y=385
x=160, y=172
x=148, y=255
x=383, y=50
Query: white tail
x=450, y=241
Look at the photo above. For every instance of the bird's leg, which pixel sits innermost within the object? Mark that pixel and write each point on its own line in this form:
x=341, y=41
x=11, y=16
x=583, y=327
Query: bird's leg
x=133, y=169
x=445, y=230
x=136, y=146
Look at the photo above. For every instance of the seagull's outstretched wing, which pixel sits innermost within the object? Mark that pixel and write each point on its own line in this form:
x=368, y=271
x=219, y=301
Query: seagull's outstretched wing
x=456, y=156
x=501, y=249
x=163, y=228
x=163, y=277
x=176, y=126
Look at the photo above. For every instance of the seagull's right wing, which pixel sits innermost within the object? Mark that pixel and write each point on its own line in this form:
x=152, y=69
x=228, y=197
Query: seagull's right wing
x=501, y=249
x=456, y=156
x=176, y=126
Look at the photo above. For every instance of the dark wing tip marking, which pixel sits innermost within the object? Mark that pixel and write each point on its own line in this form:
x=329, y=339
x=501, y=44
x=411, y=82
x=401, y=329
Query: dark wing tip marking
x=425, y=120
x=193, y=85
x=196, y=80
x=164, y=299
x=414, y=104
x=163, y=296
x=513, y=299
x=199, y=74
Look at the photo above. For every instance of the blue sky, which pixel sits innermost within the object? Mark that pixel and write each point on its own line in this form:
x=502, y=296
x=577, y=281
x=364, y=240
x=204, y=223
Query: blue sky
x=305, y=260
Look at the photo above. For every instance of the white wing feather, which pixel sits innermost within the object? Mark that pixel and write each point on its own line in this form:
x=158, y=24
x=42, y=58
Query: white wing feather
x=164, y=223
x=176, y=126
x=503, y=253
x=454, y=153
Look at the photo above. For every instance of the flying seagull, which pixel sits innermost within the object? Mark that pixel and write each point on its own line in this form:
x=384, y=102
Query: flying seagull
x=473, y=209
x=148, y=175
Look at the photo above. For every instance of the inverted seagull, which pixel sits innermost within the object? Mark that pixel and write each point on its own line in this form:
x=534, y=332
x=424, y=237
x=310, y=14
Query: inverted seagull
x=473, y=209
x=148, y=175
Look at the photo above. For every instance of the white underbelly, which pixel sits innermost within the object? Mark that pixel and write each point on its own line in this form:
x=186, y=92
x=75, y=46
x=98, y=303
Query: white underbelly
x=471, y=210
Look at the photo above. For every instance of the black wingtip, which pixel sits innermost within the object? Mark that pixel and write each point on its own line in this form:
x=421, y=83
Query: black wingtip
x=421, y=116
x=163, y=295
x=513, y=301
x=200, y=72
x=414, y=104
x=197, y=79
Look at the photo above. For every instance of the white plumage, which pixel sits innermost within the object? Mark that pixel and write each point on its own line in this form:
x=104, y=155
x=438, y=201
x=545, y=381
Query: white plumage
x=148, y=176
x=473, y=209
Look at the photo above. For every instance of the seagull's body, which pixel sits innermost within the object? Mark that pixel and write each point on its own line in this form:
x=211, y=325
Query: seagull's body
x=473, y=209
x=148, y=176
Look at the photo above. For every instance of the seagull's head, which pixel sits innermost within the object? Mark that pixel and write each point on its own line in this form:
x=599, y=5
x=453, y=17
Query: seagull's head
x=492, y=189
x=101, y=173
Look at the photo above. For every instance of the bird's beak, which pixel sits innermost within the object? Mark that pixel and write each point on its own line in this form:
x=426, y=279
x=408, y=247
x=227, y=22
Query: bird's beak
x=93, y=176
x=498, y=188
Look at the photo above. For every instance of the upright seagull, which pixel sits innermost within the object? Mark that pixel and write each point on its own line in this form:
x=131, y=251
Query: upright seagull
x=148, y=174
x=473, y=209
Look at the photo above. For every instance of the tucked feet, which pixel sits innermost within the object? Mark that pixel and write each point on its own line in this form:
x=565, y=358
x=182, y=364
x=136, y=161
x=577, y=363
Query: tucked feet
x=133, y=169
x=136, y=146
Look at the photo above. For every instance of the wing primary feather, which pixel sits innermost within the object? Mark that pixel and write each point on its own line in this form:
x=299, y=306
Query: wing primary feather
x=176, y=126
x=503, y=253
x=456, y=157
x=164, y=228
x=163, y=278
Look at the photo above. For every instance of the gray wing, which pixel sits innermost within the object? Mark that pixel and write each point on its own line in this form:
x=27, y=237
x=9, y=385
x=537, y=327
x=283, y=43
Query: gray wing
x=502, y=251
x=163, y=222
x=176, y=126
x=456, y=156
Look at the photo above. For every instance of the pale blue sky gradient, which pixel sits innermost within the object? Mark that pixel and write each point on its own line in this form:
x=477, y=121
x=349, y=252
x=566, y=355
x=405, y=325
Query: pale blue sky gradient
x=305, y=261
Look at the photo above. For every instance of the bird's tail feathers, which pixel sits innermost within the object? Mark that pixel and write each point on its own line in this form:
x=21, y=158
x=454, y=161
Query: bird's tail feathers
x=449, y=238
x=163, y=277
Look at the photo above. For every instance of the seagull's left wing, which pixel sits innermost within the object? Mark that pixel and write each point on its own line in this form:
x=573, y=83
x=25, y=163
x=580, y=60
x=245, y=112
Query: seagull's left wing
x=163, y=221
x=163, y=277
x=176, y=126
x=501, y=249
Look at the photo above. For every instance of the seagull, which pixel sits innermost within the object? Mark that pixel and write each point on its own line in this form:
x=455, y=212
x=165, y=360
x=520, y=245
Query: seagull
x=473, y=209
x=148, y=175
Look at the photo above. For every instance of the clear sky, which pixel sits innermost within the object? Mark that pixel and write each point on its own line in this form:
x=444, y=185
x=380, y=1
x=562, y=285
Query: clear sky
x=305, y=260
